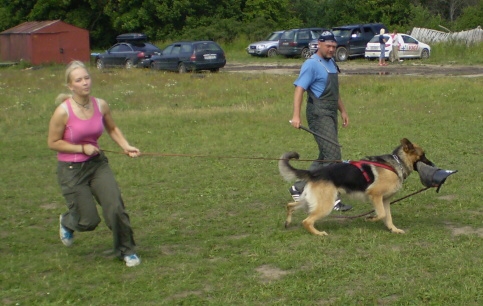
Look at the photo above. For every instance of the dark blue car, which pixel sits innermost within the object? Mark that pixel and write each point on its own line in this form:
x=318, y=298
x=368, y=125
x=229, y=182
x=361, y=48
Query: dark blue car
x=130, y=50
x=186, y=56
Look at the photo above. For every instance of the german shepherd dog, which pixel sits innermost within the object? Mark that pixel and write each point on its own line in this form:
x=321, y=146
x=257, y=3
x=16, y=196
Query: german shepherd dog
x=376, y=178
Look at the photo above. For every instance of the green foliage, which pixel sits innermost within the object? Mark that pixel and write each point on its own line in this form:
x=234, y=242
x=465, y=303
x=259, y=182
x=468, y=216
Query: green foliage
x=422, y=18
x=471, y=18
x=228, y=19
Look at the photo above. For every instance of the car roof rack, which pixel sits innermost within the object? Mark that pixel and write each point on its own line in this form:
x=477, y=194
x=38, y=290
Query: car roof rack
x=132, y=37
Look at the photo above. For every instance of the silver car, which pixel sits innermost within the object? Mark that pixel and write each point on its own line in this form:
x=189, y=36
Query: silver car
x=267, y=47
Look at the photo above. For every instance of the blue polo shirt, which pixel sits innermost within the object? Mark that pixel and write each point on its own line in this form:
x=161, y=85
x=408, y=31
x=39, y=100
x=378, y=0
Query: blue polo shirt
x=313, y=74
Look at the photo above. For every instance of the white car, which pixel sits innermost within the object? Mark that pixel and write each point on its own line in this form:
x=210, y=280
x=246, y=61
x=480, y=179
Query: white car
x=267, y=47
x=412, y=48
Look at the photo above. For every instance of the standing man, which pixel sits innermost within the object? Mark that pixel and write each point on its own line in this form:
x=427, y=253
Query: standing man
x=395, y=46
x=319, y=77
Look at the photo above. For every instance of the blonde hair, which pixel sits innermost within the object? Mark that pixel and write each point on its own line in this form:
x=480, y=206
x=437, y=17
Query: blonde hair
x=70, y=67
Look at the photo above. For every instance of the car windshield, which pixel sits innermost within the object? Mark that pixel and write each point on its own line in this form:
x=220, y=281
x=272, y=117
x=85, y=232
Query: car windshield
x=274, y=36
x=207, y=47
x=147, y=47
x=342, y=32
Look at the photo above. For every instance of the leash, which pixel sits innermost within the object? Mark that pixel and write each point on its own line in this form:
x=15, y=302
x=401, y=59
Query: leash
x=223, y=157
x=372, y=211
x=301, y=127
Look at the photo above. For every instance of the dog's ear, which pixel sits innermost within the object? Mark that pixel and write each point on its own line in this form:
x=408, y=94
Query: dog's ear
x=407, y=145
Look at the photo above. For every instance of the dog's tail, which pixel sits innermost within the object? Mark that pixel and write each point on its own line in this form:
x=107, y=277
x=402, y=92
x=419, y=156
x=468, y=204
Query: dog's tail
x=288, y=172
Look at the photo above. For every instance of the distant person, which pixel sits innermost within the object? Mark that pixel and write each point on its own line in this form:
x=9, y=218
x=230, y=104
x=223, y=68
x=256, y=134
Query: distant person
x=396, y=43
x=382, y=44
x=83, y=170
x=319, y=76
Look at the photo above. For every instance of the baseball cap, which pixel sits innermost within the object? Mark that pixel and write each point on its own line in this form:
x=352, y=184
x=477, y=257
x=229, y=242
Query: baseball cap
x=327, y=36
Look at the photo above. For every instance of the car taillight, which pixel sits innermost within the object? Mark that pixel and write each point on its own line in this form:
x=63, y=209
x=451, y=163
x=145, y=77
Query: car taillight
x=140, y=55
x=193, y=57
x=293, y=44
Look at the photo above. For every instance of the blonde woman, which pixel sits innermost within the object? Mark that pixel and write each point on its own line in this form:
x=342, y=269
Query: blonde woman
x=83, y=171
x=382, y=43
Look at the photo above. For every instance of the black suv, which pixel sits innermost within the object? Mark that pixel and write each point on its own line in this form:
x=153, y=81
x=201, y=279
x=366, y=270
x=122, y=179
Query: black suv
x=352, y=39
x=295, y=42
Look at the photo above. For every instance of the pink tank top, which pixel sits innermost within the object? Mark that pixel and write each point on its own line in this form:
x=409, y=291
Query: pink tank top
x=81, y=131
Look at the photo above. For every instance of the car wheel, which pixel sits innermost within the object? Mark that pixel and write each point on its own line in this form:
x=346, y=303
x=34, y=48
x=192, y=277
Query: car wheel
x=341, y=54
x=152, y=65
x=128, y=64
x=182, y=68
x=215, y=70
x=305, y=52
x=272, y=52
x=425, y=54
x=99, y=64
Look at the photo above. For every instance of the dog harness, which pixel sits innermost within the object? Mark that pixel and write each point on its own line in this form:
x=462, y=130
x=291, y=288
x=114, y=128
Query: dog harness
x=360, y=163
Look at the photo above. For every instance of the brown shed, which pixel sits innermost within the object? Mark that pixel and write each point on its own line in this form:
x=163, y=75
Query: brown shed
x=45, y=42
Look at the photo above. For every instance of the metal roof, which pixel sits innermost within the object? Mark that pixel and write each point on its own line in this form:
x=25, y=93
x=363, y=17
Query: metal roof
x=30, y=27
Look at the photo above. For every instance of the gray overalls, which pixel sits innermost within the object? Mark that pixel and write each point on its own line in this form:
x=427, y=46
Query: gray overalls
x=322, y=117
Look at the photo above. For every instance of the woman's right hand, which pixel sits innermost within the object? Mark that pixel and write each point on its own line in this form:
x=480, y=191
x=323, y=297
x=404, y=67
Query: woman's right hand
x=89, y=149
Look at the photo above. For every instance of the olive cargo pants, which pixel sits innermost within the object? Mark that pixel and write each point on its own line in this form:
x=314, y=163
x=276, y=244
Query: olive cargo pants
x=81, y=183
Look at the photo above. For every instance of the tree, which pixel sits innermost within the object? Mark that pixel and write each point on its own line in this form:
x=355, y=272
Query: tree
x=471, y=17
x=14, y=12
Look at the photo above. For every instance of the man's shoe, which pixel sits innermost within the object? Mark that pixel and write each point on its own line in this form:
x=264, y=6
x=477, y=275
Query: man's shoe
x=295, y=193
x=339, y=206
x=132, y=260
x=66, y=235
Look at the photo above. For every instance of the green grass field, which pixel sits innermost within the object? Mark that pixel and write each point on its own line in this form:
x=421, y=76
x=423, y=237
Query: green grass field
x=210, y=229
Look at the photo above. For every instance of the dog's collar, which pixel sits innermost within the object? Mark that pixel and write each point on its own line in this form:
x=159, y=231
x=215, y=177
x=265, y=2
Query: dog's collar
x=405, y=172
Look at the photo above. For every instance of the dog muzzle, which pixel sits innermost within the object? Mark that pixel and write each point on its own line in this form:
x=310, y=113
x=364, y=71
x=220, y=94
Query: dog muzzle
x=433, y=176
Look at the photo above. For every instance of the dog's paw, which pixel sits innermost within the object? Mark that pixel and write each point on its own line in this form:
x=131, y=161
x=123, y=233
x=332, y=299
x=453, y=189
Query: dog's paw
x=397, y=231
x=318, y=233
x=373, y=218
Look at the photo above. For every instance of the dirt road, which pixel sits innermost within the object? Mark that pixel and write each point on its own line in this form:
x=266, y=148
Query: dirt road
x=358, y=68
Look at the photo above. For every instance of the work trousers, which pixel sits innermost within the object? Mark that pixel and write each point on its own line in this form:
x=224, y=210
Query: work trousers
x=322, y=119
x=83, y=184
x=395, y=53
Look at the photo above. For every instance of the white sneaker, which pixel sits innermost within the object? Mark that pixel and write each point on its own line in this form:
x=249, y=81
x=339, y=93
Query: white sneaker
x=66, y=235
x=132, y=260
x=295, y=193
x=339, y=206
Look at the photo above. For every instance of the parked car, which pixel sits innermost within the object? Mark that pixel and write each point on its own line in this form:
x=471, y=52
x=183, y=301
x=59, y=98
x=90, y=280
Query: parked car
x=267, y=47
x=186, y=56
x=352, y=39
x=130, y=49
x=412, y=48
x=295, y=42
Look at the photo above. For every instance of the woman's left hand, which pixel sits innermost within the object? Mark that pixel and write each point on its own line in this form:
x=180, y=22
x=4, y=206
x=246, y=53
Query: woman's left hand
x=132, y=151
